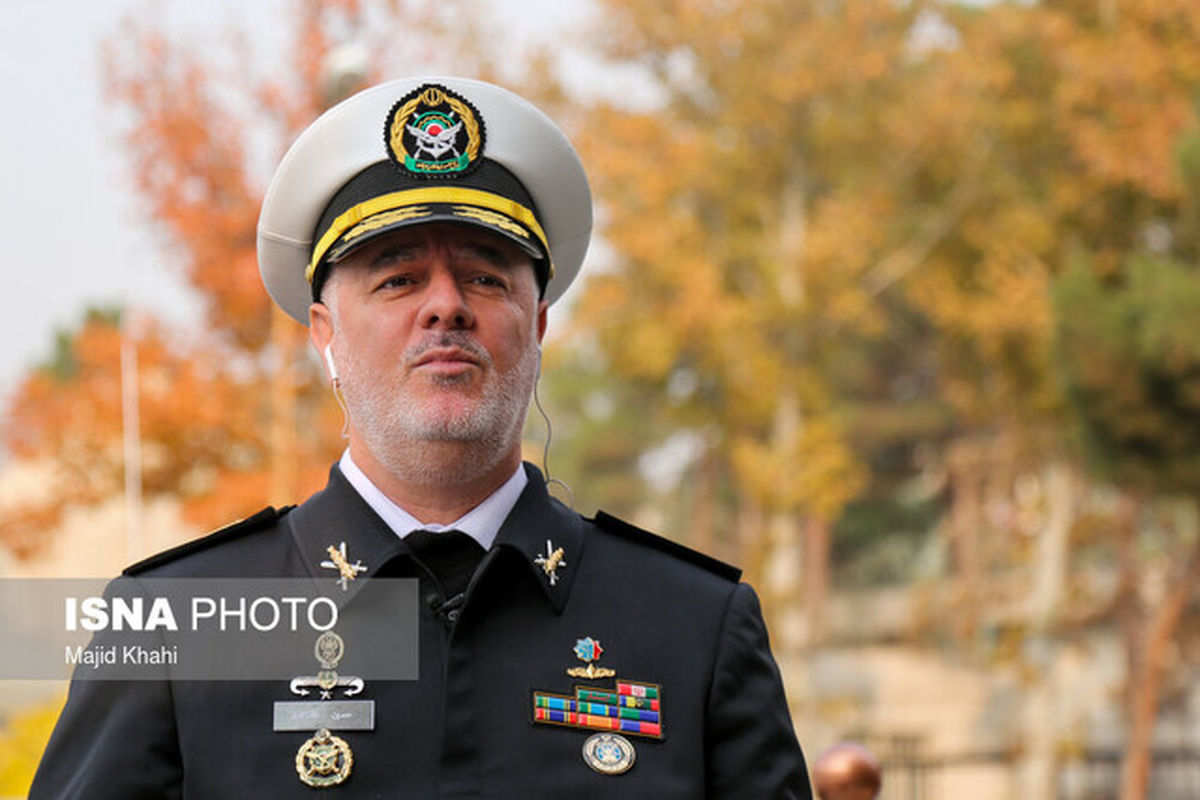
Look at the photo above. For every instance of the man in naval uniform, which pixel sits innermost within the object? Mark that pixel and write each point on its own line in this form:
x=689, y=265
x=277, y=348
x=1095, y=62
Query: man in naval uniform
x=559, y=656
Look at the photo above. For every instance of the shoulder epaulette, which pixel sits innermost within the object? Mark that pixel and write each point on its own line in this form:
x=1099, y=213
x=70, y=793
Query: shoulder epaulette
x=262, y=519
x=622, y=528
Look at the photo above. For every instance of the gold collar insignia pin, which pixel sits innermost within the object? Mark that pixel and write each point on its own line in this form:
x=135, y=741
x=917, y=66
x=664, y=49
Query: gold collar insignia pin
x=341, y=562
x=551, y=561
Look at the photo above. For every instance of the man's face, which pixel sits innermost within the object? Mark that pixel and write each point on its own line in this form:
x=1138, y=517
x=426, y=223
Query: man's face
x=434, y=330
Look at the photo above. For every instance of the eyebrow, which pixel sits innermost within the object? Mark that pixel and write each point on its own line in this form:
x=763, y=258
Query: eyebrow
x=488, y=252
x=396, y=252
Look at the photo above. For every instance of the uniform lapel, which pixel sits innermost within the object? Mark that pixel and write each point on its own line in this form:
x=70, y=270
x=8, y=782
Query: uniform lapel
x=338, y=518
x=547, y=535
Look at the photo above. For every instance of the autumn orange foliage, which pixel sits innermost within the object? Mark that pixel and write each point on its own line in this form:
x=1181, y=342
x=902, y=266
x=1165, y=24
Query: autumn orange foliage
x=205, y=405
x=201, y=429
x=239, y=415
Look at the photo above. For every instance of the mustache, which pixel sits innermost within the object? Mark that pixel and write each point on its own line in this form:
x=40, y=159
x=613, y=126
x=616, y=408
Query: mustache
x=460, y=340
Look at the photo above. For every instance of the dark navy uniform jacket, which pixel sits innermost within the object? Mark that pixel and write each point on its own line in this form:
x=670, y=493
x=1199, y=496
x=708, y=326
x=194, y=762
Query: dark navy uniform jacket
x=664, y=614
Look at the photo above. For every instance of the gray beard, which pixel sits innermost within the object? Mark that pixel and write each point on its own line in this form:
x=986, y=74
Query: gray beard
x=399, y=432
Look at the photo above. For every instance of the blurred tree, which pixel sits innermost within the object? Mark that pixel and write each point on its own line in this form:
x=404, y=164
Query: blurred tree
x=238, y=416
x=1084, y=187
x=747, y=208
x=1131, y=362
x=199, y=426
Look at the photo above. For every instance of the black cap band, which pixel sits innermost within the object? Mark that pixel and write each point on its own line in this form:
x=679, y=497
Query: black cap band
x=381, y=198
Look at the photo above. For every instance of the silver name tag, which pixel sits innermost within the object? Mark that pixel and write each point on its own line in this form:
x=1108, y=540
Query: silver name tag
x=334, y=715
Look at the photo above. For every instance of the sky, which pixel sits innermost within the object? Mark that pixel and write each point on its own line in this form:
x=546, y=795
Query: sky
x=77, y=234
x=76, y=237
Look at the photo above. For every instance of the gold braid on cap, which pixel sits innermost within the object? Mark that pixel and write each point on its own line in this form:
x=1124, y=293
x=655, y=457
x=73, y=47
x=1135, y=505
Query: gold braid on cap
x=427, y=194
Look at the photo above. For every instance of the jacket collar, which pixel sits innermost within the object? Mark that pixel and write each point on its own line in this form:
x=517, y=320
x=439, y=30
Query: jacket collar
x=341, y=541
x=339, y=518
x=547, y=536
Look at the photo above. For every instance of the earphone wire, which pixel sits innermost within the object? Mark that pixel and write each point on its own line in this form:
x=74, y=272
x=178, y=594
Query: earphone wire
x=336, y=385
x=537, y=401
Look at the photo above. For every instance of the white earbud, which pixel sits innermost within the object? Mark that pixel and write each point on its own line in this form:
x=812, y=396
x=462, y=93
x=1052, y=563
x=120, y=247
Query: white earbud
x=333, y=376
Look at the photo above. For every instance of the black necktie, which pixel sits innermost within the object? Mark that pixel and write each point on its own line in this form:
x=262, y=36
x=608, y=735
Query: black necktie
x=451, y=556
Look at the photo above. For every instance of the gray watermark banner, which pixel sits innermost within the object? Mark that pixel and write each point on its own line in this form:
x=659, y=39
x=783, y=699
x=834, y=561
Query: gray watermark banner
x=209, y=629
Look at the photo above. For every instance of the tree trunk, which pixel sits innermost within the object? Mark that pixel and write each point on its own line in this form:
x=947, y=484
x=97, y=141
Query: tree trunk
x=965, y=519
x=751, y=541
x=704, y=505
x=1126, y=603
x=1146, y=684
x=1051, y=565
x=1040, y=725
x=284, y=345
x=781, y=582
x=817, y=551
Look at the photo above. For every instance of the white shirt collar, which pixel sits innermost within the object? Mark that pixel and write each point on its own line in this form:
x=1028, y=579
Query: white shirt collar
x=481, y=523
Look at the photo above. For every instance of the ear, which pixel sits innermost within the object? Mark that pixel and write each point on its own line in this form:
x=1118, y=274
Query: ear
x=320, y=332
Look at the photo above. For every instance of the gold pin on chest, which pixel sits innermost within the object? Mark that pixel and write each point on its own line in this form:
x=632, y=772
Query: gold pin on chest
x=589, y=651
x=325, y=760
x=329, y=650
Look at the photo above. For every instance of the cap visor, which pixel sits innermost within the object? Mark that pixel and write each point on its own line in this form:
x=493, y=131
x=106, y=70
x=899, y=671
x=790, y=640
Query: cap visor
x=384, y=223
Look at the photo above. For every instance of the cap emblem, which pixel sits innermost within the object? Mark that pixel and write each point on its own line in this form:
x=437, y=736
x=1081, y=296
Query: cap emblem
x=433, y=132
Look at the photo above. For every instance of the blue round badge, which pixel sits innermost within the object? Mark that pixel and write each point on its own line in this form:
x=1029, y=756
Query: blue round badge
x=609, y=753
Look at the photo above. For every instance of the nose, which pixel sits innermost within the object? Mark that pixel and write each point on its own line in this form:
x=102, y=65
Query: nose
x=445, y=305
